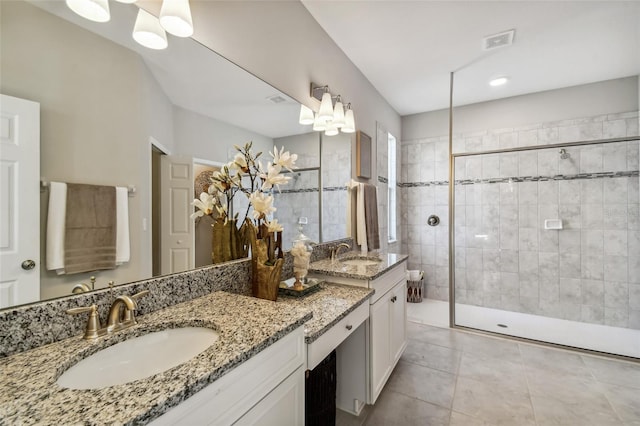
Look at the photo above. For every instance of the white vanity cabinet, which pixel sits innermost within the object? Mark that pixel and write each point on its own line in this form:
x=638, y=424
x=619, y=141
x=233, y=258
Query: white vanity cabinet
x=267, y=389
x=366, y=360
x=388, y=336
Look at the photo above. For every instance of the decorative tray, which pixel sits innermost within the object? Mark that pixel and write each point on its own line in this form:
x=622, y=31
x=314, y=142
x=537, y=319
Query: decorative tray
x=312, y=285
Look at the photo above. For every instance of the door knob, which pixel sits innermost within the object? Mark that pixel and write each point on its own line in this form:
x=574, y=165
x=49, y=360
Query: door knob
x=28, y=264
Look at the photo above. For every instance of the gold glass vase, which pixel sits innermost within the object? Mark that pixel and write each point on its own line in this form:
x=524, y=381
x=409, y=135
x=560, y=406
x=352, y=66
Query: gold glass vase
x=266, y=264
x=229, y=242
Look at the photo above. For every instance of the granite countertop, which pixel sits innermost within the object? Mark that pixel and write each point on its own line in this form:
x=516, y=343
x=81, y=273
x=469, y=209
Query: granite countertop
x=29, y=393
x=329, y=305
x=362, y=272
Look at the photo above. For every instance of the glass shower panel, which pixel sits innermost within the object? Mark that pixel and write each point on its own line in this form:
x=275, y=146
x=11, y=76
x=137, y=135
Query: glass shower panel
x=297, y=203
x=547, y=244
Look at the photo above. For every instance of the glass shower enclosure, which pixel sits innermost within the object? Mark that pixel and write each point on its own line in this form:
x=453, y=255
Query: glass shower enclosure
x=546, y=243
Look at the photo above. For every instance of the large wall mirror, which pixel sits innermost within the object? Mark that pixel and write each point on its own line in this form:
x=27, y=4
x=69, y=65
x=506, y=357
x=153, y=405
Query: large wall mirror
x=111, y=109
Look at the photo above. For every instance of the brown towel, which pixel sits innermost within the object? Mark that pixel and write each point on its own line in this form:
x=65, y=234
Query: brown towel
x=371, y=216
x=90, y=235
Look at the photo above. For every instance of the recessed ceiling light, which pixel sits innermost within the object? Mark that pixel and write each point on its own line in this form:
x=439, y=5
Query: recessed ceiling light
x=498, y=81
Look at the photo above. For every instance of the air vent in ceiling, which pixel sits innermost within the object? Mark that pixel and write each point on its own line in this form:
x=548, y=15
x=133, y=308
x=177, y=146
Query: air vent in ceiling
x=502, y=39
x=276, y=99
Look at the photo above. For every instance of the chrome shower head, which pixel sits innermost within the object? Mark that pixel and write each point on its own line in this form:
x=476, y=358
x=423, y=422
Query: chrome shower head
x=564, y=154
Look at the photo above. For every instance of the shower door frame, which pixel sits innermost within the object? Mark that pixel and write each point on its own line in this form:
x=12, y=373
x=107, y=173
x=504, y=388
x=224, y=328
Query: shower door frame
x=452, y=159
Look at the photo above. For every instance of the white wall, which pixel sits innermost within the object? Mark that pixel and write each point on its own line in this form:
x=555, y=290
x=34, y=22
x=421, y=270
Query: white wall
x=203, y=137
x=607, y=97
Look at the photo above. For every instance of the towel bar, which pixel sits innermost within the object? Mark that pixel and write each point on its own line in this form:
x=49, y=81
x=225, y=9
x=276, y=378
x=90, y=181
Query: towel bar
x=44, y=185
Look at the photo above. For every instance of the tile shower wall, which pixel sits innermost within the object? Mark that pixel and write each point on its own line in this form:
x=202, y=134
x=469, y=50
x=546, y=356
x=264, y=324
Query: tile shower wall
x=336, y=172
x=424, y=192
x=504, y=257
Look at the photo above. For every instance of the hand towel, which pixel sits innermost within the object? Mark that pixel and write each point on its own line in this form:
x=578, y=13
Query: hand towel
x=371, y=216
x=55, y=226
x=352, y=195
x=90, y=234
x=123, y=250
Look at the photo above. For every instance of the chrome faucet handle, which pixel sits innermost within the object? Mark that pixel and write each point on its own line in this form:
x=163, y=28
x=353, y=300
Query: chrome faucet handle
x=93, y=329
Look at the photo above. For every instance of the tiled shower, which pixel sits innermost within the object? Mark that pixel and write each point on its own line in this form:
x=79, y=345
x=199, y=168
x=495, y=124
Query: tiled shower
x=508, y=182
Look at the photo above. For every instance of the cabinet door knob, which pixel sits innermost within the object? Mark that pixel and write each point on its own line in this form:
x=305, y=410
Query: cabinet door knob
x=349, y=327
x=394, y=298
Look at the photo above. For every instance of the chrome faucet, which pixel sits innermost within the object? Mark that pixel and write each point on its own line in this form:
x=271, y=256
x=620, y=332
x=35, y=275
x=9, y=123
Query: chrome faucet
x=336, y=250
x=121, y=316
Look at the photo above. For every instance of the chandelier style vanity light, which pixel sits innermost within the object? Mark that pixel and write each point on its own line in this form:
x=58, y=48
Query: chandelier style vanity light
x=332, y=117
x=175, y=18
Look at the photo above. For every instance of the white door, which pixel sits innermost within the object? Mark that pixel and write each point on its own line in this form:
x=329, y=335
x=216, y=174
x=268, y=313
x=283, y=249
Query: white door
x=19, y=201
x=176, y=226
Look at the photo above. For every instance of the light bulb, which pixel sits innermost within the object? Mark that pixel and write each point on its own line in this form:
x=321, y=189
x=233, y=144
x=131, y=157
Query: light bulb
x=93, y=10
x=331, y=130
x=349, y=122
x=326, y=108
x=319, y=125
x=498, y=81
x=175, y=17
x=306, y=115
x=338, y=114
x=148, y=32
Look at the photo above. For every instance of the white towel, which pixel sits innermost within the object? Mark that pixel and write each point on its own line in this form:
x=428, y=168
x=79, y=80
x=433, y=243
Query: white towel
x=123, y=253
x=361, y=220
x=56, y=218
x=352, y=190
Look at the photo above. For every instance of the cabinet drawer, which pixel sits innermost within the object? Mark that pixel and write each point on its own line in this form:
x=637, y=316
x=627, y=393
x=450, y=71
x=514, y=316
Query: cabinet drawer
x=318, y=350
x=387, y=281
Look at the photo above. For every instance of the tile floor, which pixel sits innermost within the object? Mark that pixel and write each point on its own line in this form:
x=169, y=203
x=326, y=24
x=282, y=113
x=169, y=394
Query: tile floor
x=451, y=377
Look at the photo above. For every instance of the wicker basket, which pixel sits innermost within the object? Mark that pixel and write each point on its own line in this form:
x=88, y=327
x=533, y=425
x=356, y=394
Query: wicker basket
x=414, y=291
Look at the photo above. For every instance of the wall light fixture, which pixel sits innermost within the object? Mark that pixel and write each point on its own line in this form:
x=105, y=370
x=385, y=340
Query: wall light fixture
x=332, y=117
x=93, y=10
x=149, y=31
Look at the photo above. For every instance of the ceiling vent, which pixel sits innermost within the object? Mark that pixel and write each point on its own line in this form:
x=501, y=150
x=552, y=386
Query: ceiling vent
x=276, y=99
x=495, y=41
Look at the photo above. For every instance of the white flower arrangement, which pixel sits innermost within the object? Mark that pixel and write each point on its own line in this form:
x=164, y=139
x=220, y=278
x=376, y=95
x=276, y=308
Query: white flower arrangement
x=231, y=180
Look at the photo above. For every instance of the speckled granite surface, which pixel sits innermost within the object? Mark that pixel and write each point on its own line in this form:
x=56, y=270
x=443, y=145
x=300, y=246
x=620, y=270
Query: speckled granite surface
x=329, y=305
x=29, y=394
x=30, y=326
x=368, y=272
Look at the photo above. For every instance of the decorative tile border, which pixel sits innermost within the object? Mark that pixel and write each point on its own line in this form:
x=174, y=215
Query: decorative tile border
x=516, y=179
x=302, y=190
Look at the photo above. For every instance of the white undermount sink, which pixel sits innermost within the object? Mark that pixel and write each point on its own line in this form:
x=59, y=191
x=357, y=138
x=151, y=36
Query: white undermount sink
x=138, y=357
x=361, y=262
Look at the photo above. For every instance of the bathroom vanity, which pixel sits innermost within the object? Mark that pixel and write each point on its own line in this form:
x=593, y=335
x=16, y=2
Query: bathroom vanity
x=252, y=373
x=366, y=360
